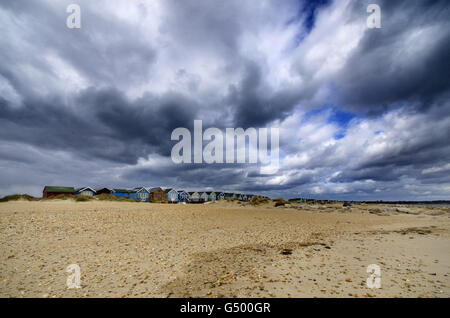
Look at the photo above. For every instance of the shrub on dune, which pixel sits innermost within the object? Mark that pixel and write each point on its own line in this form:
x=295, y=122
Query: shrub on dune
x=280, y=202
x=18, y=197
x=107, y=197
x=82, y=198
x=112, y=197
x=61, y=197
x=256, y=200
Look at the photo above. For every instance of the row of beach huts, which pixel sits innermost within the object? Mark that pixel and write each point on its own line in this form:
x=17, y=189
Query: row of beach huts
x=145, y=194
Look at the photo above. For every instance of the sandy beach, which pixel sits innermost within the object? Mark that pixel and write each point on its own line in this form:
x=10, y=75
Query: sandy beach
x=223, y=249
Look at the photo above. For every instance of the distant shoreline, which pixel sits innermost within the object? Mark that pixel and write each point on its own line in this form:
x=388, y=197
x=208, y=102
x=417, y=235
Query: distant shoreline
x=427, y=203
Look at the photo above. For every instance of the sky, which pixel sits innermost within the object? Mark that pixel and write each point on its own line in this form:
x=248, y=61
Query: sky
x=363, y=113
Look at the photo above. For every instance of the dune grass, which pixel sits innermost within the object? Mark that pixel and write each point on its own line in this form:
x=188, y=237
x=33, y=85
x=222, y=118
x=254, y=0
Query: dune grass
x=257, y=200
x=61, y=197
x=280, y=202
x=17, y=197
x=82, y=198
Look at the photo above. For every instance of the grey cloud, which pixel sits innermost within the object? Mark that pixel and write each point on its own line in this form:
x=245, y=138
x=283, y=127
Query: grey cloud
x=99, y=124
x=396, y=64
x=256, y=106
x=104, y=51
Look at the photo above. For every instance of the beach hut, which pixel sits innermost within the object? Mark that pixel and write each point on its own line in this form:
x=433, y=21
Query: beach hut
x=132, y=194
x=171, y=196
x=141, y=194
x=220, y=196
x=212, y=196
x=183, y=196
x=50, y=191
x=204, y=196
x=194, y=197
x=121, y=193
x=104, y=191
x=86, y=191
x=157, y=195
x=229, y=195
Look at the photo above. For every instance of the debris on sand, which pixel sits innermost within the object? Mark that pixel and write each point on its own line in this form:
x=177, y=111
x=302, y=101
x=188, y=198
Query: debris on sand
x=416, y=230
x=403, y=210
x=286, y=251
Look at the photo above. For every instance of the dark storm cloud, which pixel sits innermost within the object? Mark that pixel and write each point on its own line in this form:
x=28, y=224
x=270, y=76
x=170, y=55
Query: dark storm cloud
x=253, y=105
x=385, y=173
x=405, y=62
x=98, y=124
x=214, y=29
x=197, y=177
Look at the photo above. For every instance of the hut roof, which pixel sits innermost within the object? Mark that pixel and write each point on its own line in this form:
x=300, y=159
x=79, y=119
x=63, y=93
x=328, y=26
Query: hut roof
x=139, y=189
x=84, y=188
x=104, y=189
x=122, y=190
x=59, y=189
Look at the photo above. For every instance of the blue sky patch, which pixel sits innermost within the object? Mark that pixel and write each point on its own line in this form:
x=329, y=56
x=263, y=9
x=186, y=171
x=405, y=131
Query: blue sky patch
x=308, y=13
x=309, y=10
x=336, y=116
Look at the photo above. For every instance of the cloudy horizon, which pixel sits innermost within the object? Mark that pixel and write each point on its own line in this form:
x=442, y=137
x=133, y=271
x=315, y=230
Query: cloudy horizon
x=363, y=113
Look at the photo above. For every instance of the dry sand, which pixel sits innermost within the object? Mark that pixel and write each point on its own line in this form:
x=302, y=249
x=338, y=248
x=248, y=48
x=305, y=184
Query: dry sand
x=222, y=250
